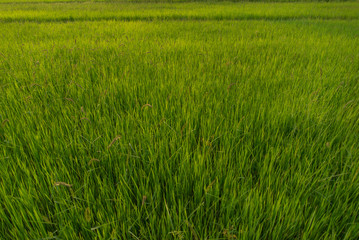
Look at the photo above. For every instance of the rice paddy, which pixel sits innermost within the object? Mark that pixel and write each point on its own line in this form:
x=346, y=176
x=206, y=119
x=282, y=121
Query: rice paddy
x=201, y=120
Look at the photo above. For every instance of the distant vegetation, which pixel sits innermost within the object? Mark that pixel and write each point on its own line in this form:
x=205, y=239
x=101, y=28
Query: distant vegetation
x=179, y=121
x=88, y=11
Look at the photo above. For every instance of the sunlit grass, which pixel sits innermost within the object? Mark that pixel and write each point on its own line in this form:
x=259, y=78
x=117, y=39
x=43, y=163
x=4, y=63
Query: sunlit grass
x=94, y=11
x=214, y=129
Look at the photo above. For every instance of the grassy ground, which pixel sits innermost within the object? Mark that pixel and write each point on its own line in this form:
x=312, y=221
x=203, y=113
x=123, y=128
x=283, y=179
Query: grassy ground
x=90, y=11
x=187, y=121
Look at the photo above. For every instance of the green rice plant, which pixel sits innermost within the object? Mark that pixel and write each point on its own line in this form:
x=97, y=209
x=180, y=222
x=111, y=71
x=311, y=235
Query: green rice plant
x=179, y=121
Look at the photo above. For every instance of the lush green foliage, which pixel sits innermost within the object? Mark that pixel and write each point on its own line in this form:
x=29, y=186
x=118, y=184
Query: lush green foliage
x=215, y=127
x=88, y=11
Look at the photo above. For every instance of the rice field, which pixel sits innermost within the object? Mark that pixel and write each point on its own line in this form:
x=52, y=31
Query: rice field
x=197, y=120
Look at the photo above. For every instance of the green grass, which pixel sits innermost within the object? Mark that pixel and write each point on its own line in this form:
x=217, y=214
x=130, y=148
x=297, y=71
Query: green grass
x=89, y=11
x=187, y=121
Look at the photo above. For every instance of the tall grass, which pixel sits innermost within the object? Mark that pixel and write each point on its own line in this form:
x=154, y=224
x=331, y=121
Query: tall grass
x=89, y=11
x=212, y=129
